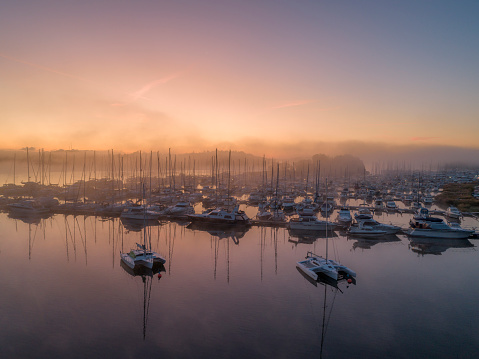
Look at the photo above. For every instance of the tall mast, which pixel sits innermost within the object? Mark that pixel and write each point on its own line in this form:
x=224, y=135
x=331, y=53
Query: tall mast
x=216, y=177
x=84, y=178
x=327, y=219
x=28, y=165
x=229, y=176
x=151, y=164
x=14, y=162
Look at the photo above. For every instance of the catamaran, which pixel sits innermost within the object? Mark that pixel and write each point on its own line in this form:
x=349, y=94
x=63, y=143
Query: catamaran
x=141, y=257
x=315, y=264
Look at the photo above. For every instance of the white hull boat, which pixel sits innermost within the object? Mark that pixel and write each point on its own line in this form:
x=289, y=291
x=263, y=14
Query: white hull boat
x=453, y=212
x=424, y=226
x=141, y=257
x=344, y=218
x=366, y=231
x=309, y=223
x=388, y=228
x=314, y=264
x=180, y=209
x=221, y=217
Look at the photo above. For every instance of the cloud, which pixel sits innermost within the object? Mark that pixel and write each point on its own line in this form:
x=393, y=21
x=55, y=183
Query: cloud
x=146, y=88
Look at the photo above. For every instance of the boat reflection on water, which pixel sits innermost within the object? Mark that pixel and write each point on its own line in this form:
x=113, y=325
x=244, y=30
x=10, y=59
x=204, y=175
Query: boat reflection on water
x=147, y=277
x=365, y=243
x=136, y=225
x=436, y=246
x=308, y=237
x=222, y=232
x=333, y=287
x=29, y=218
x=325, y=280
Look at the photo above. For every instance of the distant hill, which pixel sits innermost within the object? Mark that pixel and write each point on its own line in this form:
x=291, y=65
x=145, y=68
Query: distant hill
x=336, y=166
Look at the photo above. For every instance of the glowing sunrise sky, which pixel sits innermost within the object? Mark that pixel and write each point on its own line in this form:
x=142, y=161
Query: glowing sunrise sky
x=191, y=74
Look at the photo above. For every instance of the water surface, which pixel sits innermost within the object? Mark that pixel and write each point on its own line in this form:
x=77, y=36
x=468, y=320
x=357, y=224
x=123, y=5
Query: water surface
x=230, y=294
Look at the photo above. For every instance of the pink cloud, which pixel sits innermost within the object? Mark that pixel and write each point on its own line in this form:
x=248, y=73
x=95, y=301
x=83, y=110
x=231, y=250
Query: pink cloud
x=142, y=91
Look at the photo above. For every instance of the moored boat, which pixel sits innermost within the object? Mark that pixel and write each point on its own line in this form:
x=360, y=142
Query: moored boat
x=388, y=228
x=366, y=231
x=27, y=208
x=309, y=223
x=141, y=257
x=344, y=218
x=220, y=216
x=314, y=264
x=426, y=226
x=453, y=212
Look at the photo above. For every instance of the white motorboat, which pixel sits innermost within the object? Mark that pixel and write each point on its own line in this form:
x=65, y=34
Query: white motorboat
x=363, y=213
x=182, y=208
x=453, y=212
x=309, y=223
x=366, y=231
x=288, y=204
x=344, y=218
x=221, y=216
x=425, y=226
x=428, y=200
x=305, y=211
x=391, y=205
x=315, y=264
x=388, y=228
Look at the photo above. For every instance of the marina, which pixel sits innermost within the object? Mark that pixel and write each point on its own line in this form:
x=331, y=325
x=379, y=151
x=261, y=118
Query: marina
x=148, y=281
x=239, y=179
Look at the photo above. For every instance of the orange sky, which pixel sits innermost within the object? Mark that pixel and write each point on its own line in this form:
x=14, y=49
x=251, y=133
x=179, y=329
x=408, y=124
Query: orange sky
x=252, y=76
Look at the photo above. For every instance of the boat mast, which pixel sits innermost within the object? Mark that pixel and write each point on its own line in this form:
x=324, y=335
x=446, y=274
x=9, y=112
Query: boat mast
x=327, y=219
x=229, y=177
x=216, y=177
x=276, y=194
x=28, y=166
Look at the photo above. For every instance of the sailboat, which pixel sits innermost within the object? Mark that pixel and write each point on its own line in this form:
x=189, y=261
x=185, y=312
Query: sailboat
x=142, y=256
x=315, y=264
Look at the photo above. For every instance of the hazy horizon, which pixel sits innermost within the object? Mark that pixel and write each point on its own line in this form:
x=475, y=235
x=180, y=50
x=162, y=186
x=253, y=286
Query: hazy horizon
x=371, y=154
x=289, y=79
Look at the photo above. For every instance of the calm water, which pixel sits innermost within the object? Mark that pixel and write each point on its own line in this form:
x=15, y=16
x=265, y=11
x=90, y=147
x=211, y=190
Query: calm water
x=236, y=294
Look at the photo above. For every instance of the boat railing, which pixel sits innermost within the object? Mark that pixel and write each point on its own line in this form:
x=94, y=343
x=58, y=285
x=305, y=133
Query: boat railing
x=311, y=254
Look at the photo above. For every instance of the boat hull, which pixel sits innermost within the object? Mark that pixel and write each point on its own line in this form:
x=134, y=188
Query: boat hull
x=449, y=234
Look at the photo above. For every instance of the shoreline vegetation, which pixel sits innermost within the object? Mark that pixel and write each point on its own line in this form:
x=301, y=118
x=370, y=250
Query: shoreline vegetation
x=460, y=196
